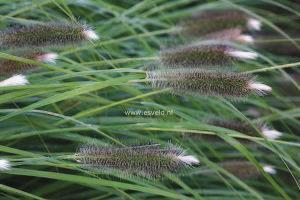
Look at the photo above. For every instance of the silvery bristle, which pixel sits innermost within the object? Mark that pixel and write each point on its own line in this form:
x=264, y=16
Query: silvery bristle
x=15, y=80
x=270, y=133
x=4, y=165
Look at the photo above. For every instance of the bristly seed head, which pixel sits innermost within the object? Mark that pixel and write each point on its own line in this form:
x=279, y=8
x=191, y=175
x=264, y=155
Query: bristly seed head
x=231, y=34
x=4, y=165
x=197, y=81
x=11, y=67
x=245, y=169
x=197, y=56
x=246, y=128
x=235, y=125
x=48, y=34
x=149, y=160
x=14, y=81
x=211, y=21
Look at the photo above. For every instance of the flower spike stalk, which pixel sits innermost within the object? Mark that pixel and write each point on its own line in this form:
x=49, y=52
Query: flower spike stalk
x=48, y=34
x=11, y=67
x=203, y=82
x=149, y=160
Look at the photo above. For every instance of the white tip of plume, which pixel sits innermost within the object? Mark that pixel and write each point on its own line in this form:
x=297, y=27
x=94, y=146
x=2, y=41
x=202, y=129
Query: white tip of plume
x=14, y=81
x=76, y=158
x=90, y=34
x=269, y=169
x=260, y=88
x=270, y=133
x=48, y=57
x=254, y=24
x=4, y=165
x=245, y=39
x=190, y=160
x=243, y=54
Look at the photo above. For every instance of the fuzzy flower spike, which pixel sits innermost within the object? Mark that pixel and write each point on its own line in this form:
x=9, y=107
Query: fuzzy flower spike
x=48, y=34
x=202, y=56
x=149, y=161
x=11, y=67
x=203, y=82
x=212, y=21
x=246, y=128
x=4, y=165
x=231, y=34
x=245, y=169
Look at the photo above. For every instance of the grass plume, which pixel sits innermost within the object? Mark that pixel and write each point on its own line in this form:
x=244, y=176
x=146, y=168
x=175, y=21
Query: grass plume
x=211, y=21
x=194, y=56
x=231, y=34
x=242, y=127
x=148, y=160
x=203, y=82
x=48, y=34
x=246, y=128
x=11, y=67
x=245, y=169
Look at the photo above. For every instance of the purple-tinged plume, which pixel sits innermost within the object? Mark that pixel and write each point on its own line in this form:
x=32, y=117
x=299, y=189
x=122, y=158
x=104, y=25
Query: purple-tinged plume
x=203, y=82
x=11, y=67
x=148, y=160
x=212, y=21
x=48, y=34
x=194, y=56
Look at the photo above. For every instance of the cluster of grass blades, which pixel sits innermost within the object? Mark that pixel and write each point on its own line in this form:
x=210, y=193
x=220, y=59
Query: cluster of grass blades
x=98, y=93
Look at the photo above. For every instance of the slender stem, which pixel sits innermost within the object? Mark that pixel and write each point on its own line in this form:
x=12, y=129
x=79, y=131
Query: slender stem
x=274, y=67
x=121, y=60
x=138, y=81
x=46, y=158
x=276, y=40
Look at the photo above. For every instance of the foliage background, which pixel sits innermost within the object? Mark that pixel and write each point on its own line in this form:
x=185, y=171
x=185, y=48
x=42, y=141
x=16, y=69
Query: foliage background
x=85, y=95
